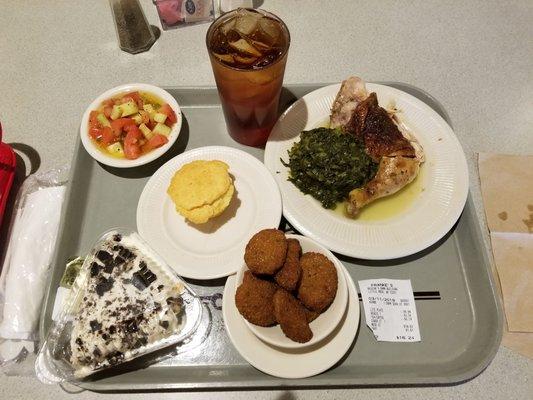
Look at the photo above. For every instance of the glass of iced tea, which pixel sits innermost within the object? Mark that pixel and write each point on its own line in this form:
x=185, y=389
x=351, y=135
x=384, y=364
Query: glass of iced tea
x=248, y=51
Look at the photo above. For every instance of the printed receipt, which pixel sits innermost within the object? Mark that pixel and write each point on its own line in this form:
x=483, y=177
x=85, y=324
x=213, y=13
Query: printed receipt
x=390, y=309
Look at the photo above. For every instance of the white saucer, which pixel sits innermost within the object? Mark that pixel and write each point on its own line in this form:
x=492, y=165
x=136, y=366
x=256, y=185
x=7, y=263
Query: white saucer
x=291, y=363
x=216, y=248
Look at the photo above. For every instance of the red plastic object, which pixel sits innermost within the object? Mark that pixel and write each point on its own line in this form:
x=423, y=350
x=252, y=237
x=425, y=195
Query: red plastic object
x=8, y=162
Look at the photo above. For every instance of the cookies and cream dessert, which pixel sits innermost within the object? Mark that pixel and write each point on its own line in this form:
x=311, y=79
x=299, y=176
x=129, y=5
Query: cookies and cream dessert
x=129, y=304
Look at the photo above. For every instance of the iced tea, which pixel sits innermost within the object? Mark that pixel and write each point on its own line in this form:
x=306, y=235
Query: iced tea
x=248, y=52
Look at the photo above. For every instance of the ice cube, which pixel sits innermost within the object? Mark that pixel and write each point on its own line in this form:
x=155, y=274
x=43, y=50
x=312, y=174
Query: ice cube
x=244, y=47
x=245, y=60
x=270, y=28
x=233, y=35
x=262, y=47
x=227, y=26
x=265, y=60
x=228, y=58
x=247, y=22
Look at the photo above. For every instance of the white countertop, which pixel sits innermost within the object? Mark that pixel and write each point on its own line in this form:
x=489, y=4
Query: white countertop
x=475, y=58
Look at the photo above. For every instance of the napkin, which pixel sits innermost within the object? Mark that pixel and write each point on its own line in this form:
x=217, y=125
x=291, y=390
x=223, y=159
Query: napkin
x=507, y=191
x=24, y=272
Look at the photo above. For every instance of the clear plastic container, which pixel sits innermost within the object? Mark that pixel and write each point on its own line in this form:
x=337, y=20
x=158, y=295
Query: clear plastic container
x=125, y=303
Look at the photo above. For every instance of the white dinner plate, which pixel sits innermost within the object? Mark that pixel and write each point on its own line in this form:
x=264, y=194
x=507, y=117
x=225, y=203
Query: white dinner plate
x=216, y=248
x=326, y=322
x=427, y=218
x=291, y=363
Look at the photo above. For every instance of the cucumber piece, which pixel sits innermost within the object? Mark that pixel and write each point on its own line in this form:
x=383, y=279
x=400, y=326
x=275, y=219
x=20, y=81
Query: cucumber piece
x=146, y=131
x=160, y=117
x=161, y=129
x=116, y=149
x=138, y=119
x=103, y=120
x=116, y=113
x=149, y=108
x=129, y=108
x=145, y=117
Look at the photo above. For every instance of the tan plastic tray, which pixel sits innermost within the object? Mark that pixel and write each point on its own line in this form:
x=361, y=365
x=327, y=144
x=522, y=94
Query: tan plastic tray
x=460, y=317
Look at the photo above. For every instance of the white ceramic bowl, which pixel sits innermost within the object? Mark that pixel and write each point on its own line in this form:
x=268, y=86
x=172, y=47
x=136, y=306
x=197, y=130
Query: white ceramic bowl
x=100, y=156
x=321, y=326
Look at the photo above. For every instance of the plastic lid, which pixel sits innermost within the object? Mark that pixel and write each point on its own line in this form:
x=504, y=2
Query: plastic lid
x=125, y=303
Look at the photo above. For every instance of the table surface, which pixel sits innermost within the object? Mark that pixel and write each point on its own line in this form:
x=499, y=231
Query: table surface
x=474, y=57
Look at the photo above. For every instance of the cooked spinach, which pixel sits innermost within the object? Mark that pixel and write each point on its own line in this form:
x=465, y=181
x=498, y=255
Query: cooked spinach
x=328, y=164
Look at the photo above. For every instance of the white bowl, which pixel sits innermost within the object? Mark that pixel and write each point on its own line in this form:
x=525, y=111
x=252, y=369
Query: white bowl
x=100, y=156
x=321, y=326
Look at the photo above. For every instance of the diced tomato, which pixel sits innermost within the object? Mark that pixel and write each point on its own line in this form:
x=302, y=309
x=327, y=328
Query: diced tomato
x=132, y=151
x=108, y=103
x=108, y=136
x=155, y=142
x=136, y=98
x=151, y=124
x=158, y=141
x=134, y=134
x=95, y=133
x=119, y=125
x=169, y=112
x=107, y=111
x=133, y=96
x=93, y=120
x=132, y=142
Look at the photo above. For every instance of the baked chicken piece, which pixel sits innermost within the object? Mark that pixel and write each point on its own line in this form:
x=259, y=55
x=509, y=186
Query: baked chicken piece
x=398, y=153
x=352, y=92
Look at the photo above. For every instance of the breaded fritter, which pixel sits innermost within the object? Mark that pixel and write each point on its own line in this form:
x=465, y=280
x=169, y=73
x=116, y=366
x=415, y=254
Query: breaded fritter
x=311, y=315
x=318, y=284
x=254, y=300
x=291, y=317
x=265, y=252
x=289, y=275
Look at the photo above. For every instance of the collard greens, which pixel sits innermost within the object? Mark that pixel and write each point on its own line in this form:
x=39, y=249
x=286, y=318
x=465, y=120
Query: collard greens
x=328, y=164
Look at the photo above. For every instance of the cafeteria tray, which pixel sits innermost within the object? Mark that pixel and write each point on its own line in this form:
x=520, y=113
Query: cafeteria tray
x=459, y=315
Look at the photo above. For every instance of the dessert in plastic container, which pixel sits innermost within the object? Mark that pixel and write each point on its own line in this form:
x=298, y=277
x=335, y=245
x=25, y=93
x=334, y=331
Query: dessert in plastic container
x=125, y=303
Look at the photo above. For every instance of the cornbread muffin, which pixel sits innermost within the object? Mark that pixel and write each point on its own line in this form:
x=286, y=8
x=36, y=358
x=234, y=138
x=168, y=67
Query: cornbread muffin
x=201, y=190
